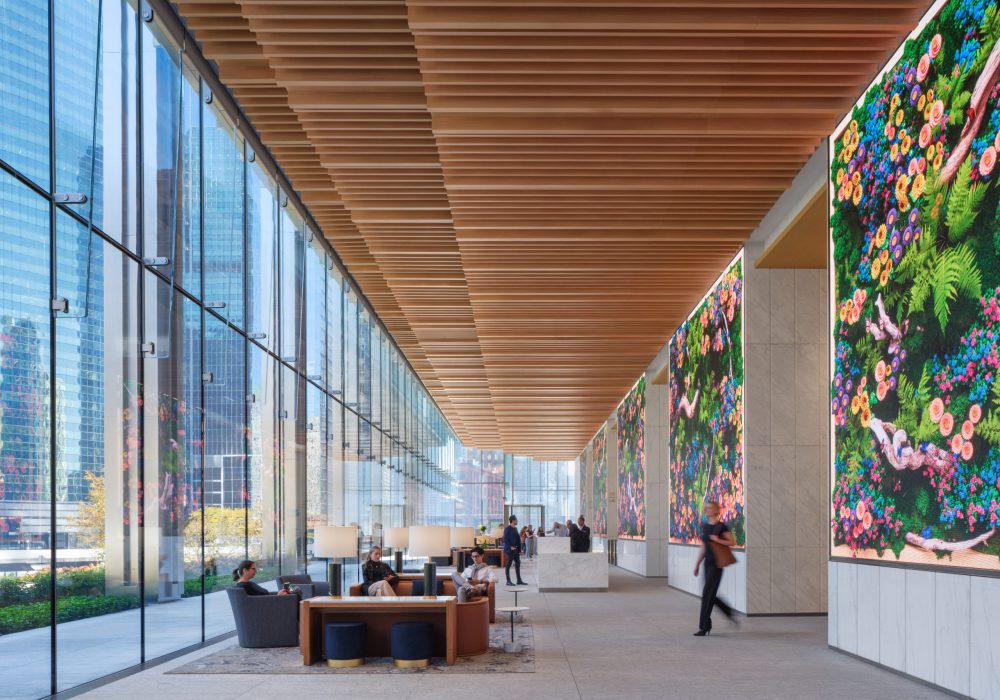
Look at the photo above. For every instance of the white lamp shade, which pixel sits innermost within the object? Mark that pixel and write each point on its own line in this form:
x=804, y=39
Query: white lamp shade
x=497, y=532
x=430, y=541
x=397, y=537
x=463, y=537
x=330, y=541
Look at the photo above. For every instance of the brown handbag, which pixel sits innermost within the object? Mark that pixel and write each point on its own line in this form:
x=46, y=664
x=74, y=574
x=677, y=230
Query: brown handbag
x=723, y=555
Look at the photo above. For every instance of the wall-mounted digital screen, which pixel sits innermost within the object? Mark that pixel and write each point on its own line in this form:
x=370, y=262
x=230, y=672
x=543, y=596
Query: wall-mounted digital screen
x=706, y=411
x=632, y=464
x=599, y=459
x=915, y=227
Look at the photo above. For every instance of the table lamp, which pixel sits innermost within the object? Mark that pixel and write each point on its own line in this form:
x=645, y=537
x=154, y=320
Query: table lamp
x=462, y=538
x=430, y=541
x=397, y=538
x=497, y=533
x=330, y=542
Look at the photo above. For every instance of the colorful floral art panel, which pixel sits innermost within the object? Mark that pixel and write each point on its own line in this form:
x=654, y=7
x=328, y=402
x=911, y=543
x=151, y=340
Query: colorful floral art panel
x=632, y=464
x=706, y=412
x=915, y=224
x=599, y=458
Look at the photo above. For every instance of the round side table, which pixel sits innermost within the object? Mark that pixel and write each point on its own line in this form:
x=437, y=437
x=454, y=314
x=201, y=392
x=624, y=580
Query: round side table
x=513, y=610
x=515, y=590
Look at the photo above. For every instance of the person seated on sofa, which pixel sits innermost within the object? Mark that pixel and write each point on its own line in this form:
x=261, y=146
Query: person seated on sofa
x=379, y=578
x=243, y=575
x=475, y=580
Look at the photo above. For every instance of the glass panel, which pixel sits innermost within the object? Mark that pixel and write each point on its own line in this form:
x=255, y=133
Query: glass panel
x=95, y=147
x=334, y=333
x=24, y=433
x=223, y=191
x=263, y=467
x=262, y=258
x=351, y=350
x=317, y=463
x=173, y=475
x=291, y=290
x=171, y=150
x=315, y=320
x=24, y=88
x=97, y=414
x=225, y=462
x=293, y=471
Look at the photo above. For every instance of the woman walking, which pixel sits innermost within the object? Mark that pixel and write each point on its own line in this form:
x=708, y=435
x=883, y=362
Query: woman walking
x=713, y=531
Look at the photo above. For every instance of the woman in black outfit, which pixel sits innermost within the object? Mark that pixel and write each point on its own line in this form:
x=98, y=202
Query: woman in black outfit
x=243, y=574
x=378, y=576
x=712, y=530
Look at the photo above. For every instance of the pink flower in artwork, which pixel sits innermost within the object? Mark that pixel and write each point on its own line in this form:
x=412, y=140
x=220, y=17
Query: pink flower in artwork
x=937, y=113
x=923, y=66
x=935, y=46
x=925, y=135
x=987, y=161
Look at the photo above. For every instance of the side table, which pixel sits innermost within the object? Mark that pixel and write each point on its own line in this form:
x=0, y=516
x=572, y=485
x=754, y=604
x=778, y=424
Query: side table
x=513, y=610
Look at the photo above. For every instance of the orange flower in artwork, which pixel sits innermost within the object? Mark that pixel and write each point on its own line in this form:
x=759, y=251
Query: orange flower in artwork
x=968, y=429
x=937, y=410
x=947, y=424
x=967, y=450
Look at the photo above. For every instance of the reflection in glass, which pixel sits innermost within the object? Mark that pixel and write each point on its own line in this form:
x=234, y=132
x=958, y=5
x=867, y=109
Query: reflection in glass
x=173, y=485
x=25, y=477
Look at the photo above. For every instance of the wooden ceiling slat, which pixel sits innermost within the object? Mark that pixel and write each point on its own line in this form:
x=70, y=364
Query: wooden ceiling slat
x=533, y=194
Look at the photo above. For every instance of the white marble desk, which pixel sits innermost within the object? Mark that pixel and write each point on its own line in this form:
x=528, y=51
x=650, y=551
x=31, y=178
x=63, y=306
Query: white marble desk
x=583, y=571
x=553, y=545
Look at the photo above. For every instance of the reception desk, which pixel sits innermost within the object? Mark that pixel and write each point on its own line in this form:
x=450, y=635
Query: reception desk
x=560, y=570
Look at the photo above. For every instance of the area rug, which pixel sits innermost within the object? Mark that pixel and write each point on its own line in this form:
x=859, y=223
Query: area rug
x=236, y=659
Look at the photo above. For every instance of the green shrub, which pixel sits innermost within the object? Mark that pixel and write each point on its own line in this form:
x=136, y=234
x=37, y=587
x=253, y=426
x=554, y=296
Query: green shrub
x=18, y=618
x=34, y=587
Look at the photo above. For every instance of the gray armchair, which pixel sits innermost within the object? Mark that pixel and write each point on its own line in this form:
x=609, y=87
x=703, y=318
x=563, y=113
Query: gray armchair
x=305, y=584
x=265, y=620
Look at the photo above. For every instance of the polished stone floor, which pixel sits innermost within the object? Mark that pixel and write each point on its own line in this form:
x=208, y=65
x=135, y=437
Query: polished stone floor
x=633, y=642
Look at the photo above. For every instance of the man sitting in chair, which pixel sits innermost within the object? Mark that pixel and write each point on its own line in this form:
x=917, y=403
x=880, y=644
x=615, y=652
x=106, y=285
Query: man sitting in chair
x=476, y=579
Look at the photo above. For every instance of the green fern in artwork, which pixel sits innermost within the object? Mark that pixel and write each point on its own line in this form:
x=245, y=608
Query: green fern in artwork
x=989, y=428
x=964, y=203
x=942, y=278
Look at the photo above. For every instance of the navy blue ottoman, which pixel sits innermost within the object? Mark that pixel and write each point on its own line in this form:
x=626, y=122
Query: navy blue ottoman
x=346, y=644
x=412, y=644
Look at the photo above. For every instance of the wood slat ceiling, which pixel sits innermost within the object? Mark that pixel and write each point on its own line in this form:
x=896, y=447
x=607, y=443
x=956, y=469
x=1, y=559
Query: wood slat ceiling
x=534, y=193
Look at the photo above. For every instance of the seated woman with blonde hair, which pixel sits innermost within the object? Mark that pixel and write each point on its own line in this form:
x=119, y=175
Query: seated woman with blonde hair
x=379, y=577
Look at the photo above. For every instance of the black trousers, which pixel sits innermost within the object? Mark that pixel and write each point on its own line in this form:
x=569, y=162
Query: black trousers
x=515, y=559
x=710, y=597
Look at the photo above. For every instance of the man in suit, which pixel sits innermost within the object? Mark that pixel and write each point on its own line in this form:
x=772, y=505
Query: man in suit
x=512, y=548
x=583, y=536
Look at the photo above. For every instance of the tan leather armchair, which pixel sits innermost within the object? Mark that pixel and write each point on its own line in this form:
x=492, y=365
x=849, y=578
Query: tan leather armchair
x=405, y=586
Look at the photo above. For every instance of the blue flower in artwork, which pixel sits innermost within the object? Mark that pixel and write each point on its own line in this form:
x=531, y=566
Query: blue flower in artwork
x=926, y=533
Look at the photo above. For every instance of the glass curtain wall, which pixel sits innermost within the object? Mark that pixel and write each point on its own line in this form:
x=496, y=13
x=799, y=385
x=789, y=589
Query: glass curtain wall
x=187, y=378
x=551, y=484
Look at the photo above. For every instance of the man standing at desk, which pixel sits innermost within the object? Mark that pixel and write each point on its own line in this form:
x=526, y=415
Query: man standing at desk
x=512, y=548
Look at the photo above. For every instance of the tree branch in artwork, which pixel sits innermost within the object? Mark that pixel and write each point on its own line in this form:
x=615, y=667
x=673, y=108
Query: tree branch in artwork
x=901, y=453
x=977, y=109
x=934, y=544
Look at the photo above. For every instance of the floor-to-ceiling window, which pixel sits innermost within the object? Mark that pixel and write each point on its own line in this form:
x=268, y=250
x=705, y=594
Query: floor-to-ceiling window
x=187, y=376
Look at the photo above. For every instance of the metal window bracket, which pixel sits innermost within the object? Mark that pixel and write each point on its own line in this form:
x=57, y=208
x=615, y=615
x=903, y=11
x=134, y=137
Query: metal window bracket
x=257, y=336
x=251, y=156
x=207, y=377
x=147, y=12
x=251, y=398
x=314, y=377
x=60, y=305
x=70, y=198
x=148, y=348
x=159, y=261
x=208, y=96
x=215, y=304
